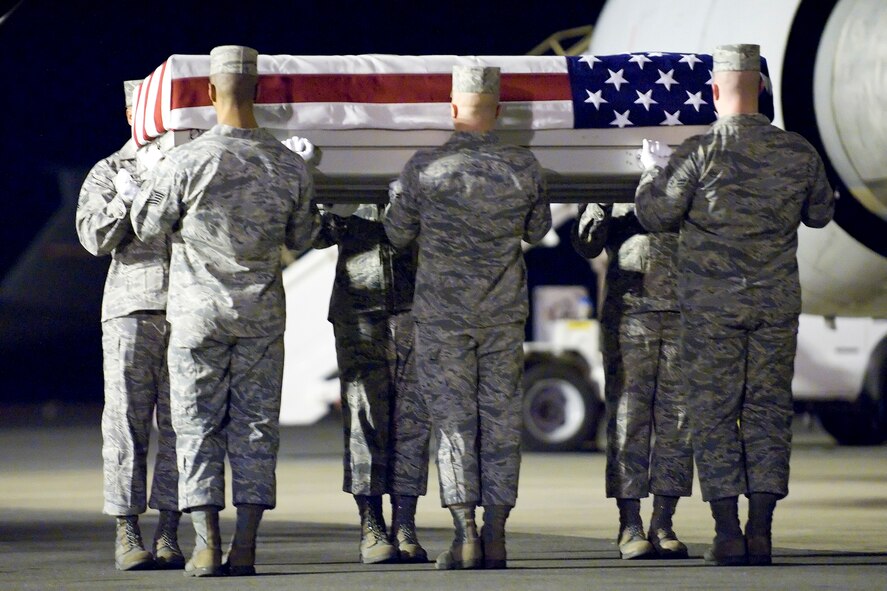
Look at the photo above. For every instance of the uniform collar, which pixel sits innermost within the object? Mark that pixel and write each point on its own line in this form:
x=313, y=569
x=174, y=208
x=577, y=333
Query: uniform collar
x=742, y=120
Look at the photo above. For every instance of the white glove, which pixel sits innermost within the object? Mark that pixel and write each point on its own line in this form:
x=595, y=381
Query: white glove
x=149, y=156
x=301, y=146
x=127, y=189
x=395, y=190
x=654, y=153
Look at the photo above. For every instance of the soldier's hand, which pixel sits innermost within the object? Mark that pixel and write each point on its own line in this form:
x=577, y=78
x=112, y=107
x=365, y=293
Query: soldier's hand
x=149, y=156
x=301, y=146
x=654, y=153
x=126, y=187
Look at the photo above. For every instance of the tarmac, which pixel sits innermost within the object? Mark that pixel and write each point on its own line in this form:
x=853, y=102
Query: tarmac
x=828, y=534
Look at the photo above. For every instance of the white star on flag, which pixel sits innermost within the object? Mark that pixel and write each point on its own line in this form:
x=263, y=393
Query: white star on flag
x=711, y=78
x=591, y=60
x=645, y=99
x=621, y=120
x=695, y=99
x=666, y=79
x=672, y=119
x=595, y=98
x=690, y=59
x=640, y=59
x=616, y=79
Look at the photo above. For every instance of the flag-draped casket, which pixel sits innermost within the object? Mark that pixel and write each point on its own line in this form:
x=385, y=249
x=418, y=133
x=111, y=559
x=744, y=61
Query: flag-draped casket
x=584, y=116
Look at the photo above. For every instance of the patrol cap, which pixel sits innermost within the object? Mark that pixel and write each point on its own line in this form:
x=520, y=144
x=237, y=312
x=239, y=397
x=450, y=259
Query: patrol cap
x=476, y=80
x=233, y=59
x=745, y=57
x=129, y=88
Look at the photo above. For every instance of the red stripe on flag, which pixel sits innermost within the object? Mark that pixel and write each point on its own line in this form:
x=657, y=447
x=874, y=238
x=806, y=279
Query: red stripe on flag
x=158, y=110
x=373, y=88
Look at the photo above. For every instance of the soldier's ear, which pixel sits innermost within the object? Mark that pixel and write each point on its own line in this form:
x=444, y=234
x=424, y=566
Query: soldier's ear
x=454, y=110
x=211, y=91
x=498, y=110
x=715, y=91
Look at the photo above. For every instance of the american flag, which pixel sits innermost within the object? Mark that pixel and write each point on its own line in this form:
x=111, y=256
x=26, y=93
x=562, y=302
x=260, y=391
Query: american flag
x=376, y=91
x=648, y=89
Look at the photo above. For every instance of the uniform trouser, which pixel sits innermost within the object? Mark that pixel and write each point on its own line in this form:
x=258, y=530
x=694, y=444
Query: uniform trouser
x=136, y=382
x=226, y=399
x=471, y=380
x=645, y=397
x=739, y=379
x=385, y=422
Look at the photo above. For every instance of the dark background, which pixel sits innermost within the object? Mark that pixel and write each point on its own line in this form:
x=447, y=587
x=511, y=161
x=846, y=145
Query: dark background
x=63, y=64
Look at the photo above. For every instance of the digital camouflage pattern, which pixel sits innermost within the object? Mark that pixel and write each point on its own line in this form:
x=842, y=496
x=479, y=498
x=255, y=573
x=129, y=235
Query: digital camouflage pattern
x=744, y=405
x=231, y=199
x=386, y=425
x=138, y=274
x=641, y=264
x=474, y=200
x=133, y=343
x=738, y=194
x=471, y=381
x=371, y=275
x=136, y=382
x=468, y=204
x=644, y=393
x=226, y=399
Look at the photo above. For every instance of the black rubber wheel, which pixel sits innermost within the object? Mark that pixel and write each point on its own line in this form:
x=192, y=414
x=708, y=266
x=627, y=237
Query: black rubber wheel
x=561, y=408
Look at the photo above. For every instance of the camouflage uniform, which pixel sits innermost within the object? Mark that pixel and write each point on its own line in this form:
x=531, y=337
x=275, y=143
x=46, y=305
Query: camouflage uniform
x=640, y=322
x=385, y=422
x=134, y=338
x=468, y=204
x=739, y=193
x=230, y=199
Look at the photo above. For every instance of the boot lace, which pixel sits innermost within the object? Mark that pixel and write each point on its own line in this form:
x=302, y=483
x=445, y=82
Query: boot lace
x=131, y=536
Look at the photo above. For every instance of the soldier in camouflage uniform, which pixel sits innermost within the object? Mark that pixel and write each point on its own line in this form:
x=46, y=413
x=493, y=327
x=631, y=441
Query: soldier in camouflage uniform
x=385, y=422
x=468, y=204
x=644, y=393
x=738, y=194
x=134, y=338
x=230, y=199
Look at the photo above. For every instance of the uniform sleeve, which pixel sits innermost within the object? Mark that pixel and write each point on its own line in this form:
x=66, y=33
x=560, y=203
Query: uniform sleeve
x=589, y=233
x=664, y=195
x=304, y=222
x=819, y=207
x=538, y=221
x=156, y=210
x=401, y=218
x=102, y=218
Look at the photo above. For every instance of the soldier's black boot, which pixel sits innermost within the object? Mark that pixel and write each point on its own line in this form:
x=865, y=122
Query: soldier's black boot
x=129, y=551
x=661, y=534
x=167, y=554
x=466, y=551
x=403, y=529
x=206, y=560
x=374, y=544
x=240, y=561
x=632, y=541
x=728, y=548
x=492, y=535
x=758, y=528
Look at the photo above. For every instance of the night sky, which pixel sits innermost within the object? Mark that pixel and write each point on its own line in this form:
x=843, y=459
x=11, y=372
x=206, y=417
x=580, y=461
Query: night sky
x=63, y=64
